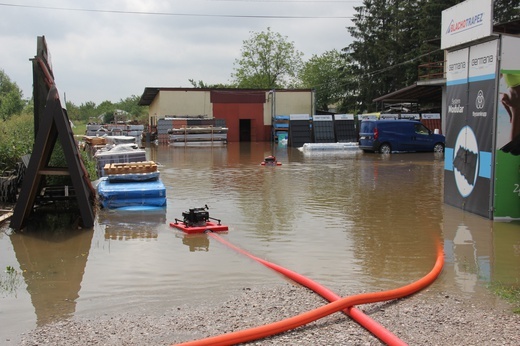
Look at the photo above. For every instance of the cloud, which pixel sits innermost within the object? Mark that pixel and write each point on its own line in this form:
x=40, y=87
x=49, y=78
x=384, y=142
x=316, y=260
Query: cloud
x=110, y=50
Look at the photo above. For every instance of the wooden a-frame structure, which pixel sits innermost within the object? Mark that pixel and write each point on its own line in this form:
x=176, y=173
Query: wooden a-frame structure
x=51, y=123
x=55, y=125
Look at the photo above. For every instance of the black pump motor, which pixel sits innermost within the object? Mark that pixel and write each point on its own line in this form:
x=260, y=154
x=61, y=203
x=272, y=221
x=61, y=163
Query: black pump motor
x=196, y=217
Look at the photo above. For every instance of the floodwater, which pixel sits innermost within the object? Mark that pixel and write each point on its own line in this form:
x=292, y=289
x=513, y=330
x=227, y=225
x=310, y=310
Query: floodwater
x=354, y=222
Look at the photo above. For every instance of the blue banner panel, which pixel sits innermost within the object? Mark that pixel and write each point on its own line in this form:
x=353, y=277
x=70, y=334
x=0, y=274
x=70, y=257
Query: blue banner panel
x=470, y=128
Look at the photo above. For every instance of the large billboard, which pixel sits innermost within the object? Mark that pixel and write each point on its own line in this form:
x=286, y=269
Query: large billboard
x=465, y=22
x=470, y=117
x=507, y=172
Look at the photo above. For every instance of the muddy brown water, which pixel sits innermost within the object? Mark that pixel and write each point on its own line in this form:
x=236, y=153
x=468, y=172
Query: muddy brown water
x=354, y=222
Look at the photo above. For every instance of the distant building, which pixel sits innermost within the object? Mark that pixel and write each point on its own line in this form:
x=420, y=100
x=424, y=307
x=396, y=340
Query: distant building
x=247, y=113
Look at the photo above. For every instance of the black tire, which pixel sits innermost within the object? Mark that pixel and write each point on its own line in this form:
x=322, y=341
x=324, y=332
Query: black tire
x=385, y=148
x=438, y=148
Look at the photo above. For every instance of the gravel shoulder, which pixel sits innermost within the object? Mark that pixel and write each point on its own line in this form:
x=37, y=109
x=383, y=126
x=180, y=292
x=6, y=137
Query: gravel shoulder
x=427, y=318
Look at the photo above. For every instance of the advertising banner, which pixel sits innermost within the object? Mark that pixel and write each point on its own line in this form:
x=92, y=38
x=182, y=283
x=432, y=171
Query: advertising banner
x=483, y=64
x=507, y=172
x=465, y=22
x=456, y=100
x=470, y=129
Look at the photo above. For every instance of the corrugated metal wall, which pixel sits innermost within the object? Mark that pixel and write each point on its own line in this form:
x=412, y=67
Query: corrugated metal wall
x=233, y=112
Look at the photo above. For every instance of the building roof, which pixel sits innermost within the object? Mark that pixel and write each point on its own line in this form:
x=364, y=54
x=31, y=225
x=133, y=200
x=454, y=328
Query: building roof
x=415, y=93
x=150, y=93
x=512, y=27
x=148, y=96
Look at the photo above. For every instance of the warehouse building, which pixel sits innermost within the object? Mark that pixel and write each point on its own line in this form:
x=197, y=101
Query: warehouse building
x=247, y=113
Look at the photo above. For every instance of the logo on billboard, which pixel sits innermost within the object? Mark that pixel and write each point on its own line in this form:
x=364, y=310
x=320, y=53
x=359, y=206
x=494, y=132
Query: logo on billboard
x=465, y=24
x=466, y=161
x=455, y=106
x=480, y=100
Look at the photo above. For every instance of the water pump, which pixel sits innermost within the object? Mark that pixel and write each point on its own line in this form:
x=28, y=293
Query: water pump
x=196, y=217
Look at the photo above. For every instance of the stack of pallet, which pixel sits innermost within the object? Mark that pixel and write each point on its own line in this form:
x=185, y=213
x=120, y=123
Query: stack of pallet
x=94, y=140
x=130, y=167
x=132, y=185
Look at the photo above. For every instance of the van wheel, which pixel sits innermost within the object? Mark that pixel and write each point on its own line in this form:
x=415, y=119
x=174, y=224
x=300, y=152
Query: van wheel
x=385, y=148
x=438, y=148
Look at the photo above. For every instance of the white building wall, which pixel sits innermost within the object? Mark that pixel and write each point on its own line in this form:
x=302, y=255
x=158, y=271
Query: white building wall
x=288, y=102
x=182, y=103
x=197, y=102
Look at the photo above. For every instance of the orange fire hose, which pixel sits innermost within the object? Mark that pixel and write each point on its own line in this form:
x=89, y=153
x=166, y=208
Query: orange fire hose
x=368, y=323
x=313, y=315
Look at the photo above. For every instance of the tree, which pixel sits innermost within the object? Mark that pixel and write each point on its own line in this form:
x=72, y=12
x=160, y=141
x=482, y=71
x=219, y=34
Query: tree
x=384, y=48
x=268, y=61
x=88, y=111
x=390, y=44
x=324, y=74
x=73, y=111
x=201, y=85
x=131, y=105
x=430, y=30
x=505, y=11
x=11, y=101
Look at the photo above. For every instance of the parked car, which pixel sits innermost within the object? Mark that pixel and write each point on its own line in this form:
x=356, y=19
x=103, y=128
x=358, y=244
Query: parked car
x=390, y=135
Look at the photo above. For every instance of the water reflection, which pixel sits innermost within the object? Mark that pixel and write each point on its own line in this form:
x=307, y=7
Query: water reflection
x=195, y=242
x=479, y=250
x=131, y=224
x=53, y=264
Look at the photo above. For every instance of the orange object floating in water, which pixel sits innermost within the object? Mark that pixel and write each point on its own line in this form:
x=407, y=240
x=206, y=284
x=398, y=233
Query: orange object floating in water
x=209, y=226
x=196, y=220
x=270, y=161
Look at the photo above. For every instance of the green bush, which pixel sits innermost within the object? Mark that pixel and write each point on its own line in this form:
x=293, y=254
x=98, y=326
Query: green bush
x=16, y=140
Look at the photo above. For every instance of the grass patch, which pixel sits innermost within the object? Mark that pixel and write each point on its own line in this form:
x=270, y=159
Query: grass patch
x=508, y=292
x=10, y=282
x=80, y=128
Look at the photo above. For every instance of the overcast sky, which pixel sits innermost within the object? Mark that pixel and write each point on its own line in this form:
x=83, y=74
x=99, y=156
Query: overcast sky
x=113, y=49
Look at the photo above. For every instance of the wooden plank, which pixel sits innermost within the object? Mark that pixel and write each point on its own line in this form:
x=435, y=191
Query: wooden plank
x=54, y=171
x=130, y=167
x=5, y=216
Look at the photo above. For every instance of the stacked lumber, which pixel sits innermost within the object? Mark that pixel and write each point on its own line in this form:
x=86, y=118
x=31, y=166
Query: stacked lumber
x=130, y=167
x=91, y=140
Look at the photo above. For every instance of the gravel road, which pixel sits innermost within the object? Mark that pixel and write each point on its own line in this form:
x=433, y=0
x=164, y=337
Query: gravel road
x=426, y=318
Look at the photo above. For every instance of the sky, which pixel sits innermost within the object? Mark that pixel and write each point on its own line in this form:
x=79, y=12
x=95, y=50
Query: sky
x=113, y=49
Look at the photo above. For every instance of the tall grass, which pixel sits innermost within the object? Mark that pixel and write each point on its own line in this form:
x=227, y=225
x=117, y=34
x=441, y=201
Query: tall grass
x=16, y=140
x=509, y=292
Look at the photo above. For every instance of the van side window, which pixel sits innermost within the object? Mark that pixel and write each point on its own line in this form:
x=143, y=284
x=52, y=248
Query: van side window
x=420, y=129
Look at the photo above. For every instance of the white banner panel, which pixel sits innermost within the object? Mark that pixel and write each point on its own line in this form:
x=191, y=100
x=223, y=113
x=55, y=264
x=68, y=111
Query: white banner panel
x=344, y=117
x=299, y=117
x=483, y=61
x=468, y=21
x=322, y=117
